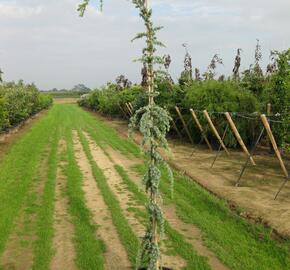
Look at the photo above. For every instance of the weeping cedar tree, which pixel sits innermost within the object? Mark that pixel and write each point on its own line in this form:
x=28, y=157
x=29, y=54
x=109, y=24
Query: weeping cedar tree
x=153, y=122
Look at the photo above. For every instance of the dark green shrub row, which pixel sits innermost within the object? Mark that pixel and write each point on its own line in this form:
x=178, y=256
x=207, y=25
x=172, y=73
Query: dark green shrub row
x=18, y=102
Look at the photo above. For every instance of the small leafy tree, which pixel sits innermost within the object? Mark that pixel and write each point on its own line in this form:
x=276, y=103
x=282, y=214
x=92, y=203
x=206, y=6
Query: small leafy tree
x=280, y=95
x=153, y=122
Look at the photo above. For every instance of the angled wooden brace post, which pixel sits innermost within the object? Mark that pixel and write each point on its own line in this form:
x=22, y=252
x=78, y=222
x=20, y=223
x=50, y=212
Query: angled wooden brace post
x=215, y=132
x=238, y=137
x=194, y=116
x=277, y=152
x=129, y=109
x=123, y=112
x=176, y=129
x=184, y=124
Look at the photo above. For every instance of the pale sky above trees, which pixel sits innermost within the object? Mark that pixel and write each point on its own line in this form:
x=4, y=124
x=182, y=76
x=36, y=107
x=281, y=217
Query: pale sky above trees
x=47, y=43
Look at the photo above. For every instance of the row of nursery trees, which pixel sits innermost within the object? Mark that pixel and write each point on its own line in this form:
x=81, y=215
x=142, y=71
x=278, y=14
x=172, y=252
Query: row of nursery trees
x=19, y=101
x=247, y=93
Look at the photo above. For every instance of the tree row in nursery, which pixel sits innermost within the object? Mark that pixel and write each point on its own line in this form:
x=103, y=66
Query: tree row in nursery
x=19, y=101
x=245, y=94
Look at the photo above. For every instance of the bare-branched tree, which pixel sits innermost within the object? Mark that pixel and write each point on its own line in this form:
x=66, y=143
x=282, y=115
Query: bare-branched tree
x=197, y=74
x=122, y=82
x=211, y=69
x=237, y=65
x=167, y=62
x=272, y=66
x=258, y=56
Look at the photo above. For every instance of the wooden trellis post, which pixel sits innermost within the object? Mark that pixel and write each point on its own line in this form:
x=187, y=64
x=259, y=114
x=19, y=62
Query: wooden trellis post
x=131, y=106
x=194, y=116
x=238, y=137
x=176, y=129
x=129, y=109
x=215, y=132
x=277, y=152
x=184, y=124
x=123, y=111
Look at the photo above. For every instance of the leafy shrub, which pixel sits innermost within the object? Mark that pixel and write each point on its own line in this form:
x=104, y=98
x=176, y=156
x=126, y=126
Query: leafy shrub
x=18, y=102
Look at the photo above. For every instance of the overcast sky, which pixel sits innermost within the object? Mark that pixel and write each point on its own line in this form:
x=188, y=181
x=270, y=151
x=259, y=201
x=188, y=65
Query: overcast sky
x=47, y=43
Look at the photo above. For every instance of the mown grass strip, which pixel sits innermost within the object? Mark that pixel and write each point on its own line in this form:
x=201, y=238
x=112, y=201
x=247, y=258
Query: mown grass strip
x=43, y=245
x=177, y=241
x=238, y=243
x=89, y=249
x=18, y=168
x=124, y=230
x=101, y=132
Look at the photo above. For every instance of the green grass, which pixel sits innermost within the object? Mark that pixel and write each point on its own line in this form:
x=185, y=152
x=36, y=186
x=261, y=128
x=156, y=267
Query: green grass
x=178, y=244
x=18, y=168
x=89, y=248
x=43, y=245
x=126, y=234
x=238, y=243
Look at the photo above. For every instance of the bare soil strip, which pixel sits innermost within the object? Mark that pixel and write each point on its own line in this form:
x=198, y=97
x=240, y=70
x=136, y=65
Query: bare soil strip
x=189, y=231
x=125, y=198
x=64, y=257
x=258, y=186
x=115, y=256
x=18, y=254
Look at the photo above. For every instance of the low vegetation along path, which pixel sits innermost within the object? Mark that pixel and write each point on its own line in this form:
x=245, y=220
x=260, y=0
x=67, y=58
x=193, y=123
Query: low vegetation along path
x=71, y=198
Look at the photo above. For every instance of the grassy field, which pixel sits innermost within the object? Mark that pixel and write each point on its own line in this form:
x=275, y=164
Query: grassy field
x=71, y=198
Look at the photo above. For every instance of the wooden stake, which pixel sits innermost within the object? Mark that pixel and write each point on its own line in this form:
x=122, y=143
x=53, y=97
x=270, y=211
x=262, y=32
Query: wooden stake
x=269, y=107
x=194, y=116
x=176, y=129
x=238, y=137
x=129, y=109
x=274, y=144
x=131, y=106
x=184, y=124
x=215, y=132
x=123, y=111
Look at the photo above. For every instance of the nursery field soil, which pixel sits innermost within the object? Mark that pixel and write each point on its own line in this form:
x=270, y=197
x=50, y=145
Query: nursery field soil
x=255, y=195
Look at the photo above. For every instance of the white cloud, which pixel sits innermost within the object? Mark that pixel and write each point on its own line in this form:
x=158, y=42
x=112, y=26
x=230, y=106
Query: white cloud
x=18, y=12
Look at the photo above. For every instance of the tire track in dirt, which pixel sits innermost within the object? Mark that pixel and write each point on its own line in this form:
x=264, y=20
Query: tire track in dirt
x=18, y=254
x=116, y=257
x=124, y=197
x=189, y=231
x=63, y=246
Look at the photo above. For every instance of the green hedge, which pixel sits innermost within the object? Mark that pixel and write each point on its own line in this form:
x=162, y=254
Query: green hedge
x=18, y=102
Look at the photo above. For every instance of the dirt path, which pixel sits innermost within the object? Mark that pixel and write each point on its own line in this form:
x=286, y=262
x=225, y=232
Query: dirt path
x=258, y=186
x=125, y=198
x=189, y=231
x=115, y=256
x=64, y=257
x=18, y=254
